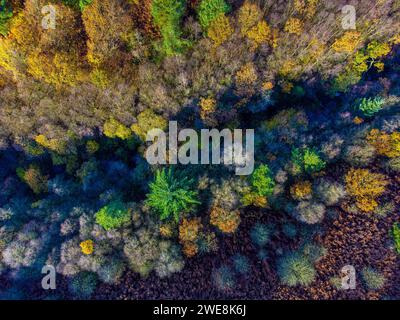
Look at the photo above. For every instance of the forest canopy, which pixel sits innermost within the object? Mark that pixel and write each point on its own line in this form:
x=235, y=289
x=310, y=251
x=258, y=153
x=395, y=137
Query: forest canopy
x=82, y=82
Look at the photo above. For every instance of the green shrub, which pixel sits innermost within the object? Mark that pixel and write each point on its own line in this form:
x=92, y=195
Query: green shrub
x=209, y=10
x=312, y=161
x=369, y=106
x=167, y=15
x=262, y=181
x=308, y=160
x=260, y=234
x=297, y=158
x=170, y=196
x=372, y=278
x=295, y=269
x=5, y=14
x=396, y=236
x=113, y=215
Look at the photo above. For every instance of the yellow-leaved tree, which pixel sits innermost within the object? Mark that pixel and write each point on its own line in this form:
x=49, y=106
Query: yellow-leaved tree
x=220, y=30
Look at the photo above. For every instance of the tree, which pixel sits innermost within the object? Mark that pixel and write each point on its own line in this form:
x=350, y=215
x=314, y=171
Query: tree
x=170, y=196
x=167, y=15
x=373, y=279
x=348, y=43
x=208, y=10
x=365, y=186
x=113, y=215
x=223, y=278
x=56, y=145
x=225, y=220
x=146, y=121
x=114, y=129
x=377, y=49
x=6, y=13
x=308, y=160
x=260, y=234
x=34, y=178
x=220, y=30
x=310, y=212
x=301, y=190
x=10, y=59
x=105, y=22
x=306, y=7
x=189, y=231
x=78, y=4
x=247, y=74
x=260, y=33
x=295, y=269
x=294, y=26
x=144, y=19
x=83, y=285
x=207, y=107
x=261, y=186
x=60, y=69
x=87, y=246
x=262, y=181
x=370, y=106
x=67, y=35
x=249, y=15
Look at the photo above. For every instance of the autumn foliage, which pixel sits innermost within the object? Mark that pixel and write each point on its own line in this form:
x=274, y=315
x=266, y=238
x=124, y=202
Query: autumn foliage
x=226, y=221
x=365, y=186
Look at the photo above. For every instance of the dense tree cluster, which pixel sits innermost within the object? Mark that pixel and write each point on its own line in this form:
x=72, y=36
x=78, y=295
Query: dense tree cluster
x=76, y=192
